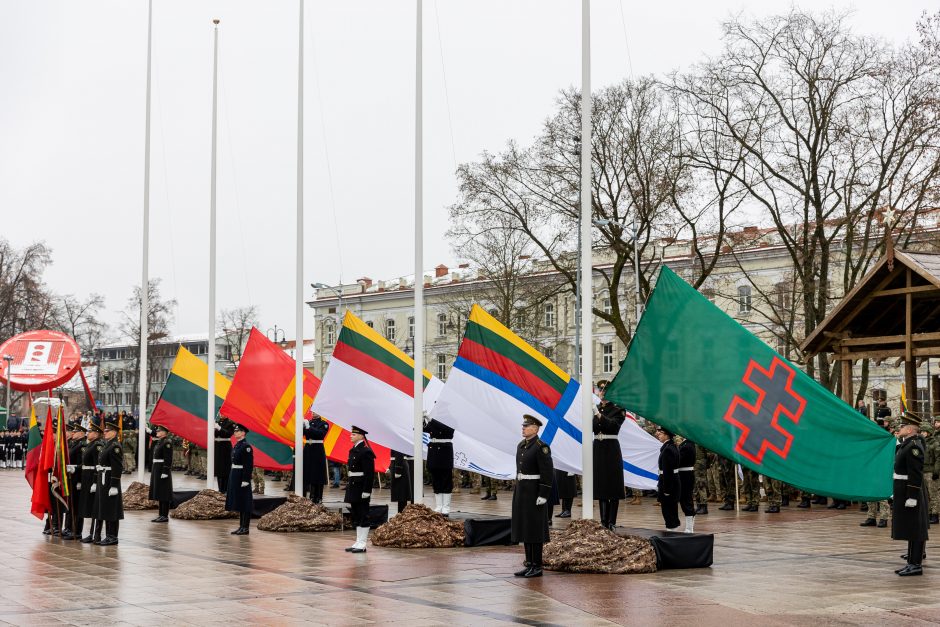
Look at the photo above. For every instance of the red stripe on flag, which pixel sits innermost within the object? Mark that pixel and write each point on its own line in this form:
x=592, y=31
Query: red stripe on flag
x=509, y=370
x=181, y=422
x=374, y=368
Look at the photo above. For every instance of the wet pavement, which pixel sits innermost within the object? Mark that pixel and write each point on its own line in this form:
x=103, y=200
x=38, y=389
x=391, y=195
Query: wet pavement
x=815, y=567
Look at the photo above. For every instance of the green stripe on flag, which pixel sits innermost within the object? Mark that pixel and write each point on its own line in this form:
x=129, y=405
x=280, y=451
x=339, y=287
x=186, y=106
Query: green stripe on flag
x=498, y=344
x=188, y=396
x=351, y=338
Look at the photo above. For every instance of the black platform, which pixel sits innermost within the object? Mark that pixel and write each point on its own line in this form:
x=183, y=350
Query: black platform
x=261, y=505
x=484, y=529
x=676, y=550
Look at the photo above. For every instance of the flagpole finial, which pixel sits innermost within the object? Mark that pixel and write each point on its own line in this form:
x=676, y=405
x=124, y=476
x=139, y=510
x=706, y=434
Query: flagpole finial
x=216, y=21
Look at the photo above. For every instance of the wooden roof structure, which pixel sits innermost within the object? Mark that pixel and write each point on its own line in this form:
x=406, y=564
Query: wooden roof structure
x=892, y=313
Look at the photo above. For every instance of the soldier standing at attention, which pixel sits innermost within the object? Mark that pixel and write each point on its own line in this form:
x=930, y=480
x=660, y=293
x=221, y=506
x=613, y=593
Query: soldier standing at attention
x=109, y=469
x=702, y=475
x=687, y=483
x=88, y=501
x=909, y=521
x=238, y=497
x=530, y=512
x=608, y=461
x=361, y=466
x=668, y=486
x=224, y=429
x=440, y=463
x=401, y=471
x=314, y=477
x=76, y=435
x=161, y=475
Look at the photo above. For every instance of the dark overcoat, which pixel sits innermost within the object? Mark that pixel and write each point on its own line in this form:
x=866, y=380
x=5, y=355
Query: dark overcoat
x=401, y=472
x=530, y=521
x=440, y=454
x=667, y=486
x=608, y=459
x=109, y=469
x=87, y=506
x=314, y=453
x=223, y=448
x=686, y=475
x=238, y=498
x=361, y=470
x=75, y=475
x=161, y=488
x=909, y=523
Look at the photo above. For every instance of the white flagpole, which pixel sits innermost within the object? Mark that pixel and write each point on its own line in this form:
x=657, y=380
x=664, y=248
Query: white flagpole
x=587, y=274
x=210, y=354
x=419, y=263
x=299, y=311
x=145, y=270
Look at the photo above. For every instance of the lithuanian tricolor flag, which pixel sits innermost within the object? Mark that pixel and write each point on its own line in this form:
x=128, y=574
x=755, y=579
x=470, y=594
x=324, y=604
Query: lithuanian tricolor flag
x=498, y=377
x=32, y=446
x=182, y=410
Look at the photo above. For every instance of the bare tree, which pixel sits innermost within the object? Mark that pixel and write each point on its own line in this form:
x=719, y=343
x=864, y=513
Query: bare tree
x=25, y=302
x=159, y=319
x=236, y=325
x=79, y=319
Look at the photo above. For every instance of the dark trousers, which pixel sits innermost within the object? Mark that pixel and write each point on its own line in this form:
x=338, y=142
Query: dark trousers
x=608, y=509
x=164, y=508
x=111, y=528
x=96, y=528
x=915, y=552
x=223, y=484
x=78, y=523
x=244, y=519
x=316, y=492
x=359, y=513
x=566, y=504
x=442, y=480
x=533, y=554
x=670, y=508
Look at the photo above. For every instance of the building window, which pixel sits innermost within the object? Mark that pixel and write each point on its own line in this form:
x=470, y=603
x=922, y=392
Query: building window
x=607, y=357
x=549, y=352
x=370, y=324
x=441, y=366
x=879, y=395
x=118, y=376
x=154, y=397
x=607, y=307
x=549, y=314
x=109, y=398
x=128, y=398
x=441, y=324
x=411, y=327
x=744, y=299
x=330, y=333
x=390, y=330
x=783, y=296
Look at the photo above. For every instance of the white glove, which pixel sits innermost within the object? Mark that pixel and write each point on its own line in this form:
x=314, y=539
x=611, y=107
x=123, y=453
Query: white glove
x=306, y=424
x=910, y=503
x=244, y=484
x=427, y=419
x=164, y=476
x=112, y=492
x=218, y=427
x=541, y=500
x=397, y=475
x=94, y=487
x=70, y=468
x=366, y=495
x=78, y=486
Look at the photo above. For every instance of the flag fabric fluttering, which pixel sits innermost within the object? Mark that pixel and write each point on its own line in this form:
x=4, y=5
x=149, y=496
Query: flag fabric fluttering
x=262, y=398
x=694, y=370
x=370, y=383
x=497, y=377
x=33, y=443
x=181, y=408
x=41, y=501
x=58, y=485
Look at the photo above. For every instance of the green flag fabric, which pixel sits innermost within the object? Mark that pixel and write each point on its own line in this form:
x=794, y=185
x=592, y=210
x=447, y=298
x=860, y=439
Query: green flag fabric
x=693, y=369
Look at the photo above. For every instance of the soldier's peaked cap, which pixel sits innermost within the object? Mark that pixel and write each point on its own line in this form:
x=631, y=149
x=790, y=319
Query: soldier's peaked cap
x=910, y=418
x=358, y=430
x=240, y=427
x=528, y=419
x=110, y=424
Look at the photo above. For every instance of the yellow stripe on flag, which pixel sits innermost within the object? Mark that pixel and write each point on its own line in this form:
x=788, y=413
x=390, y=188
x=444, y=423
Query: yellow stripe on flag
x=484, y=319
x=331, y=437
x=352, y=322
x=188, y=366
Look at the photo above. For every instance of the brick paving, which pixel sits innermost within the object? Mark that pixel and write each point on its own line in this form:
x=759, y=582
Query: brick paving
x=814, y=567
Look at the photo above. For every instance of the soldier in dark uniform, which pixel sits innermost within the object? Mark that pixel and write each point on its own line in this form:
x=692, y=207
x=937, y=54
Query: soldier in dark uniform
x=401, y=473
x=73, y=473
x=224, y=429
x=687, y=483
x=530, y=513
x=909, y=519
x=109, y=469
x=567, y=487
x=440, y=463
x=315, y=430
x=608, y=461
x=88, y=502
x=238, y=497
x=668, y=486
x=161, y=474
x=361, y=466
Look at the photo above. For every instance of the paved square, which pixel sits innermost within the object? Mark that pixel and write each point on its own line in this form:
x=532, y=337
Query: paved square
x=796, y=568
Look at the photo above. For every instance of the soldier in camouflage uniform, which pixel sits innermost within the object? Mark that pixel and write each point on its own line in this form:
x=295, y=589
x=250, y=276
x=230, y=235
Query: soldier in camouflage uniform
x=932, y=470
x=750, y=490
x=257, y=480
x=715, y=484
x=129, y=444
x=774, y=490
x=701, y=480
x=727, y=471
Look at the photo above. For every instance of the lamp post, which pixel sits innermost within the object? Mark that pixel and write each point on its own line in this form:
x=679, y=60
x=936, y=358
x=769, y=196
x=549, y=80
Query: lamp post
x=273, y=336
x=339, y=293
x=9, y=360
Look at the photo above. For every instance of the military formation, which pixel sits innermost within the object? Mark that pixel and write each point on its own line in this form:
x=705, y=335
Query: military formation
x=13, y=448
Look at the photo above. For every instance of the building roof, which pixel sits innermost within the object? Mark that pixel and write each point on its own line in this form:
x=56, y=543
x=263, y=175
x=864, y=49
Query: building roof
x=871, y=318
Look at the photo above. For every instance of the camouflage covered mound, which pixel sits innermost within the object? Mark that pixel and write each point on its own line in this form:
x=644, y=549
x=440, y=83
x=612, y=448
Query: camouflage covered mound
x=300, y=514
x=207, y=505
x=419, y=527
x=587, y=547
x=135, y=497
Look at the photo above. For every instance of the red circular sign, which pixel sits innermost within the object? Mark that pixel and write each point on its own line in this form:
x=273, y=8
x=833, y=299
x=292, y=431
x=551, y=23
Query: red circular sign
x=42, y=360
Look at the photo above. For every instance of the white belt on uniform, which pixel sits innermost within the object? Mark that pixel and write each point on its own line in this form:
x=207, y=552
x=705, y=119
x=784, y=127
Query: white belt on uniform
x=686, y=469
x=356, y=474
x=89, y=468
x=157, y=461
x=239, y=466
x=605, y=436
x=676, y=471
x=408, y=459
x=440, y=441
x=521, y=476
x=223, y=439
x=901, y=477
x=313, y=441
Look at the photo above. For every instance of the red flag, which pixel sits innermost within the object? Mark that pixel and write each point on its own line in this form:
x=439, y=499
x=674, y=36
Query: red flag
x=262, y=398
x=41, y=502
x=33, y=447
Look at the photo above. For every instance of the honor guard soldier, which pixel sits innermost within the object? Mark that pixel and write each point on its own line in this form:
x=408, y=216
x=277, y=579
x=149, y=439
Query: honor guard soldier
x=687, y=483
x=361, y=467
x=608, y=460
x=909, y=519
x=401, y=471
x=667, y=489
x=530, y=514
x=161, y=473
x=314, y=477
x=238, y=497
x=109, y=469
x=567, y=486
x=88, y=501
x=440, y=463
x=76, y=442
x=224, y=429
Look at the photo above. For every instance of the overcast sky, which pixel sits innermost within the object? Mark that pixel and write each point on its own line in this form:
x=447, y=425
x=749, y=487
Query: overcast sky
x=72, y=92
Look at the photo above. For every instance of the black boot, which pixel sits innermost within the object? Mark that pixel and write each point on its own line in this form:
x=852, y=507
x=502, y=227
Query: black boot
x=727, y=507
x=602, y=506
x=612, y=506
x=785, y=501
x=869, y=522
x=701, y=510
x=528, y=561
x=536, y=569
x=934, y=519
x=804, y=503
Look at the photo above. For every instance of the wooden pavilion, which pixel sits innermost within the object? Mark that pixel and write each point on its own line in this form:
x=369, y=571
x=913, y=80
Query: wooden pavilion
x=892, y=313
